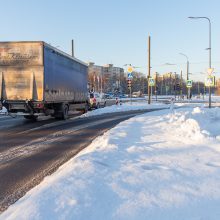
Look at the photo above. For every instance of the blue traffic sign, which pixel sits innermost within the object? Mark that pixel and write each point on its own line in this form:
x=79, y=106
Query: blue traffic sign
x=130, y=76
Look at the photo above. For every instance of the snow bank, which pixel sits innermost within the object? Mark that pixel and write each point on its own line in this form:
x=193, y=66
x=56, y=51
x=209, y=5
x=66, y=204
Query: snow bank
x=160, y=165
x=4, y=110
x=125, y=107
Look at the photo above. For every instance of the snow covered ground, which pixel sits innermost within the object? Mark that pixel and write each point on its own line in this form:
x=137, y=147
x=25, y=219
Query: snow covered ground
x=140, y=105
x=159, y=165
x=3, y=110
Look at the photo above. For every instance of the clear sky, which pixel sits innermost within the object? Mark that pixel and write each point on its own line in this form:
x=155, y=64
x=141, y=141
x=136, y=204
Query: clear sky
x=116, y=31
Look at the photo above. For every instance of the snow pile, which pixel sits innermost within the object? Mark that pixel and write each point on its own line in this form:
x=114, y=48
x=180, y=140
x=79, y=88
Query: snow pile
x=4, y=110
x=160, y=165
x=125, y=107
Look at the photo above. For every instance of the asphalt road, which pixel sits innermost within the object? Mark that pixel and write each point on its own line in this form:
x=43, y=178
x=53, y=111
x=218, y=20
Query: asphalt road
x=29, y=151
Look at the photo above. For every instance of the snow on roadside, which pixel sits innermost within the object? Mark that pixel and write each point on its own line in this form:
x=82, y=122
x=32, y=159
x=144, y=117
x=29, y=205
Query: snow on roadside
x=160, y=165
x=125, y=107
x=4, y=110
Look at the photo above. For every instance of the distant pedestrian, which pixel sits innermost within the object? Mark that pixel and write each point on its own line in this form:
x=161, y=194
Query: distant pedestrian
x=116, y=101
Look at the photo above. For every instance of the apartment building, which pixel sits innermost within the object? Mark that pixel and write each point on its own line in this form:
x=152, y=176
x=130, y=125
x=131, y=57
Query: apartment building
x=106, y=78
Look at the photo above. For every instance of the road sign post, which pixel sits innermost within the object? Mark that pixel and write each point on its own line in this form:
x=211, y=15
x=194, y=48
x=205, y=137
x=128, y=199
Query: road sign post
x=129, y=87
x=210, y=81
x=130, y=77
x=151, y=83
x=210, y=71
x=189, y=86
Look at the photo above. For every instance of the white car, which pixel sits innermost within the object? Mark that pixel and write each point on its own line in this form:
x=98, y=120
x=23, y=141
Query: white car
x=96, y=100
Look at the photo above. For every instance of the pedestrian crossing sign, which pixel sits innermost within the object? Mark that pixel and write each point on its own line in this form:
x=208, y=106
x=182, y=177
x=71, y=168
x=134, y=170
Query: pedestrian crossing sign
x=189, y=83
x=210, y=81
x=130, y=76
x=151, y=82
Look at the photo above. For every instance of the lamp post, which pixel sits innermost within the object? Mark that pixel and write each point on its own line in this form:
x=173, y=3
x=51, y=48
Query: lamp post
x=187, y=72
x=175, y=85
x=170, y=83
x=170, y=73
x=155, y=87
x=181, y=84
x=210, y=48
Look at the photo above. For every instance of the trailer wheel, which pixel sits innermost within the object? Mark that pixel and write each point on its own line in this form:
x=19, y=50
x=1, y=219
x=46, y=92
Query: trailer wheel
x=62, y=112
x=65, y=111
x=85, y=109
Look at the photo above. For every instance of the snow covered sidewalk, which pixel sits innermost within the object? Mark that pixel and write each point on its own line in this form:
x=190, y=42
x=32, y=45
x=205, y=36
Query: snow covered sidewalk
x=160, y=165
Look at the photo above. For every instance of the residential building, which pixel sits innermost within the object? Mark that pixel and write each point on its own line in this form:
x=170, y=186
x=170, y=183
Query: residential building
x=106, y=78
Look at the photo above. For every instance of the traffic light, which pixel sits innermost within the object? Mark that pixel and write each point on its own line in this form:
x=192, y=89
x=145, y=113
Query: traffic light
x=129, y=83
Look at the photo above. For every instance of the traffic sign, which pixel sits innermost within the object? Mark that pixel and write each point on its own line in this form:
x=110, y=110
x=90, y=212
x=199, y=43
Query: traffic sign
x=210, y=81
x=189, y=83
x=130, y=69
x=130, y=76
x=210, y=71
x=151, y=82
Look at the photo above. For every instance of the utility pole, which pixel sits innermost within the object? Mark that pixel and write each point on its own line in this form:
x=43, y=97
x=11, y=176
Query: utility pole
x=210, y=56
x=187, y=78
x=73, y=48
x=181, y=84
x=101, y=83
x=155, y=87
x=187, y=74
x=175, y=85
x=161, y=86
x=149, y=67
x=170, y=84
x=149, y=91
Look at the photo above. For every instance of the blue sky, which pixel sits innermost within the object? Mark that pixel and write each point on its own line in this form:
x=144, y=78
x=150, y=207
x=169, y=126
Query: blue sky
x=116, y=31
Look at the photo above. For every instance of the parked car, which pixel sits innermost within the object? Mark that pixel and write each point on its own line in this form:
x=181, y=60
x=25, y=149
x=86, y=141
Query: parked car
x=109, y=96
x=123, y=96
x=96, y=100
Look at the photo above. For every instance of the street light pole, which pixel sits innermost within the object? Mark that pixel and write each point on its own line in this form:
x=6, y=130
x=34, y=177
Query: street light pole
x=155, y=87
x=210, y=48
x=170, y=84
x=181, y=84
x=149, y=66
x=187, y=73
x=73, y=48
x=175, y=85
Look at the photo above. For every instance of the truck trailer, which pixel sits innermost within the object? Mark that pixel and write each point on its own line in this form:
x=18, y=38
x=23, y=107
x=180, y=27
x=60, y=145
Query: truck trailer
x=38, y=79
